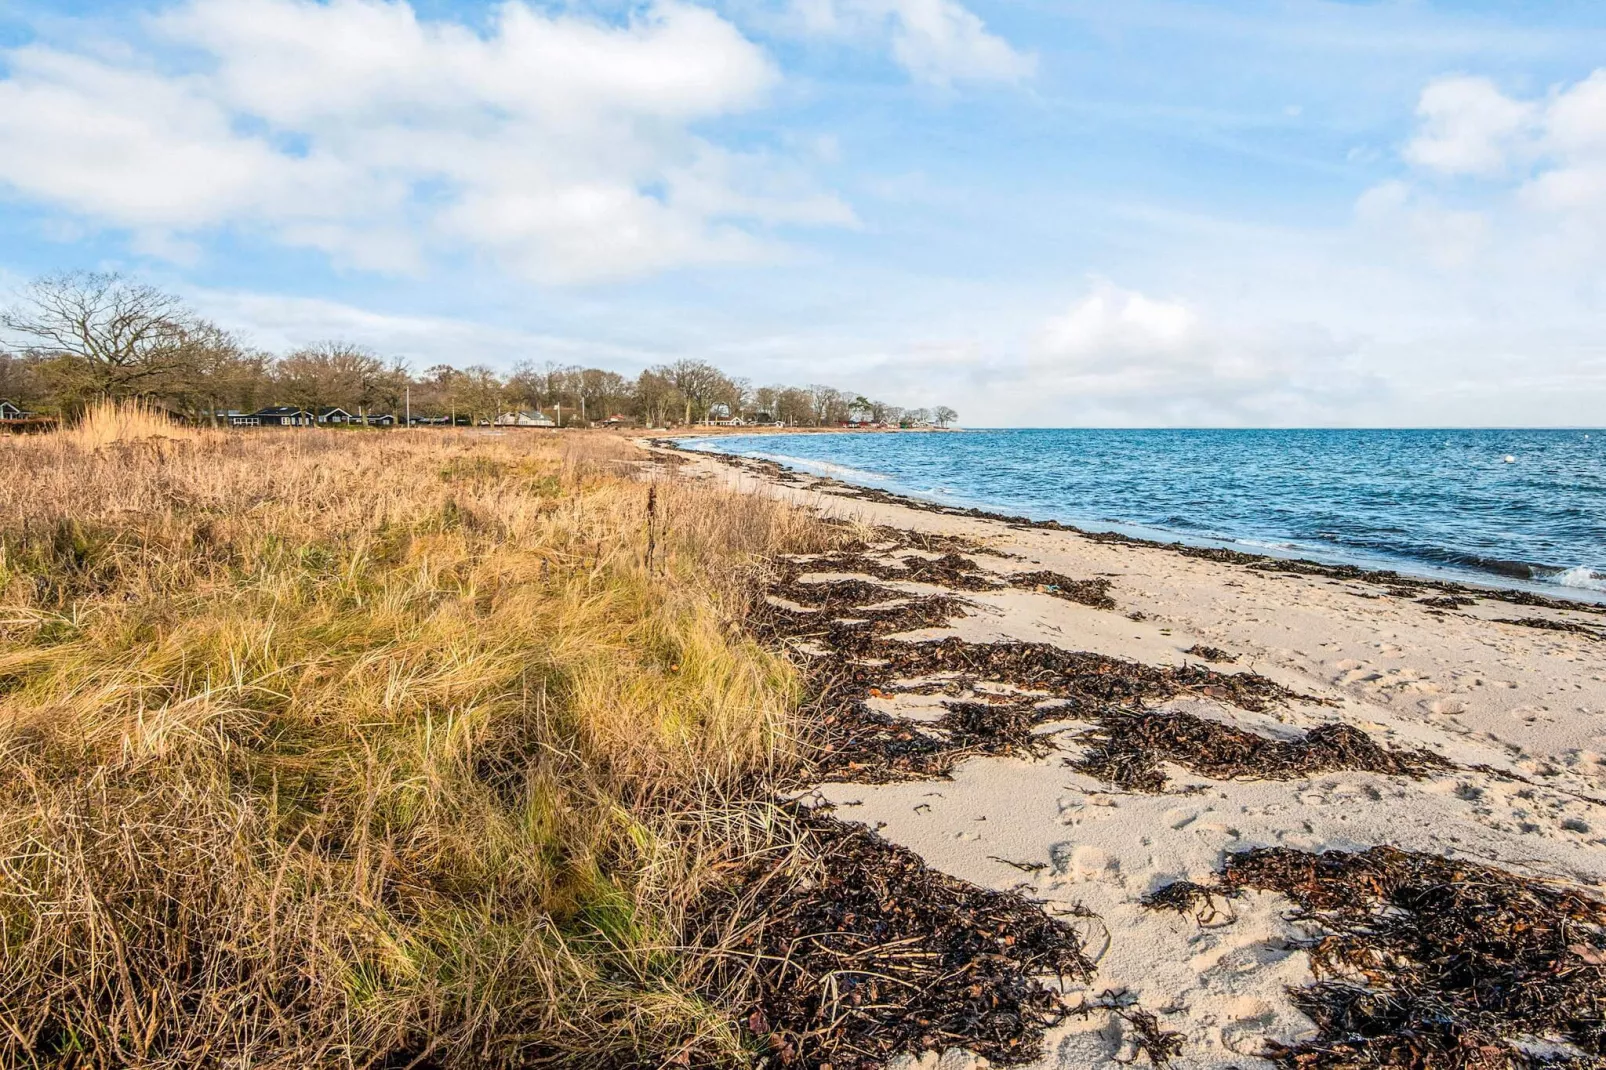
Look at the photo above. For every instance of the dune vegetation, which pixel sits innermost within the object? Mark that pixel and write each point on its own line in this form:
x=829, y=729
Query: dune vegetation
x=345, y=748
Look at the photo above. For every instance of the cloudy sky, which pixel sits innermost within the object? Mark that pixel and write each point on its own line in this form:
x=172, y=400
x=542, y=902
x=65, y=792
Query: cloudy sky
x=1042, y=212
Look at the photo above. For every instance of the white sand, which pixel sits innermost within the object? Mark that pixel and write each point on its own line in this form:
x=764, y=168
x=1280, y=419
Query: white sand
x=1511, y=697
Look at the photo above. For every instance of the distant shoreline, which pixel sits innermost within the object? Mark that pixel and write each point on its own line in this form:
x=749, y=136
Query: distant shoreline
x=1446, y=580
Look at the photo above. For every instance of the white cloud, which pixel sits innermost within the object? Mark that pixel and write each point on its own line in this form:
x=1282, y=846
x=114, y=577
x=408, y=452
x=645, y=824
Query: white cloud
x=558, y=145
x=1541, y=164
x=1449, y=237
x=280, y=323
x=1117, y=355
x=939, y=42
x=1468, y=127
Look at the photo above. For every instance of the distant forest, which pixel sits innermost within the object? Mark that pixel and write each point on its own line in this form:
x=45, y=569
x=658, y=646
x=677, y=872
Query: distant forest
x=73, y=338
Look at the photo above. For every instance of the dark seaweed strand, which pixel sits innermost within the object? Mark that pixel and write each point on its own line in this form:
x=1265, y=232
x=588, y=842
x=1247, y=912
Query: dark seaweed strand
x=1432, y=962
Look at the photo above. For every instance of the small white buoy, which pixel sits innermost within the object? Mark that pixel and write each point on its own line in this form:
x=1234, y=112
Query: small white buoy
x=1510, y=459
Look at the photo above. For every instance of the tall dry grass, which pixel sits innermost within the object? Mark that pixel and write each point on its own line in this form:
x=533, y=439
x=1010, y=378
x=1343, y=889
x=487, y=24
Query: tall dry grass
x=322, y=749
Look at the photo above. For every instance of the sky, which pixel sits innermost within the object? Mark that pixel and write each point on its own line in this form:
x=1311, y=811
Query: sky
x=1039, y=212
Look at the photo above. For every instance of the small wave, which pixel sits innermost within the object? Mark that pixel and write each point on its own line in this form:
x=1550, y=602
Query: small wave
x=825, y=468
x=1582, y=577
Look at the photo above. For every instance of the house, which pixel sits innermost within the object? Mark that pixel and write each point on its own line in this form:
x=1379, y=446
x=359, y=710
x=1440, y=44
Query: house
x=619, y=420
x=524, y=419
x=273, y=416
x=295, y=416
x=8, y=411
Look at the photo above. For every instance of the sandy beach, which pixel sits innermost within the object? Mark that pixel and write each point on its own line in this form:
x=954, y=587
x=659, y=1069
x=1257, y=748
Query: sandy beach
x=1512, y=716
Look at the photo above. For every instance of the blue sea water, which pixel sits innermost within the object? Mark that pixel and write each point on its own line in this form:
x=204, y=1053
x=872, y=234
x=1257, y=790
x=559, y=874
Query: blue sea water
x=1433, y=503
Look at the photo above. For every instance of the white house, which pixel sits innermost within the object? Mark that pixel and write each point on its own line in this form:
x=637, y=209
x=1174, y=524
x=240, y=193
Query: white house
x=524, y=419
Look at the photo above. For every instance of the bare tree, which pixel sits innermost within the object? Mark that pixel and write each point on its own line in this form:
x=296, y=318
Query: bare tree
x=944, y=416
x=599, y=391
x=482, y=393
x=211, y=367
x=794, y=407
x=764, y=401
x=656, y=397
x=701, y=385
x=100, y=334
x=20, y=383
x=829, y=404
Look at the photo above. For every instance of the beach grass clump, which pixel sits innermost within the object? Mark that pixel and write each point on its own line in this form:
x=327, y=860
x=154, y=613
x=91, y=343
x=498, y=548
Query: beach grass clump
x=320, y=749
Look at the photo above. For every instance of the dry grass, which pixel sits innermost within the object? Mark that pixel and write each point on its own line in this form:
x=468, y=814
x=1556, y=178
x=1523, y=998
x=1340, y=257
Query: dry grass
x=107, y=421
x=338, y=749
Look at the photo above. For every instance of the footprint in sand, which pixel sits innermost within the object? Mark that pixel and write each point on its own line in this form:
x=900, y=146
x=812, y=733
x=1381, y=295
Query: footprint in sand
x=1083, y=862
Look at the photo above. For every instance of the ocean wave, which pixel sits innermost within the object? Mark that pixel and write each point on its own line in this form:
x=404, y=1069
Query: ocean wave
x=1583, y=577
x=824, y=468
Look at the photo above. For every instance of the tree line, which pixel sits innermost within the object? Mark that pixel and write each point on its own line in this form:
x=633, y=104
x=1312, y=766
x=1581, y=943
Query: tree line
x=73, y=338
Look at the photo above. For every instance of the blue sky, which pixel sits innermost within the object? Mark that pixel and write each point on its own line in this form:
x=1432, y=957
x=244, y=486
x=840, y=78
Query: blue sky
x=1041, y=213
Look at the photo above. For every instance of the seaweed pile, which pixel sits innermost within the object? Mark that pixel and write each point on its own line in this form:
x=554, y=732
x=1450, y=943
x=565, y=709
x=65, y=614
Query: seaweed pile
x=1095, y=593
x=951, y=569
x=866, y=609
x=1554, y=626
x=1088, y=682
x=1127, y=747
x=1211, y=653
x=861, y=745
x=851, y=950
x=1426, y=961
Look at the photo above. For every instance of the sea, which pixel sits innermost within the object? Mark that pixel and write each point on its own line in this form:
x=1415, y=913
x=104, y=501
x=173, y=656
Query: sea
x=1523, y=508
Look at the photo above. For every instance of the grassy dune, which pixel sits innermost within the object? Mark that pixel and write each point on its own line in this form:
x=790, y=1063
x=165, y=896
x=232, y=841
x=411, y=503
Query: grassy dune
x=355, y=749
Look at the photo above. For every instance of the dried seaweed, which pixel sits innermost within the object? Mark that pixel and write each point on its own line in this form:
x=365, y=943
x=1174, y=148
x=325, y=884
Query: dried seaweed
x=1195, y=900
x=1432, y=962
x=1553, y=625
x=1448, y=601
x=860, y=623
x=859, y=744
x=1089, y=681
x=1095, y=593
x=850, y=950
x=1211, y=653
x=951, y=570
x=1128, y=747
x=1159, y=1045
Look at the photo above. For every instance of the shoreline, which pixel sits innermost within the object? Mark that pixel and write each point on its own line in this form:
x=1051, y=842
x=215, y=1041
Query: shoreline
x=1487, y=739
x=1536, y=594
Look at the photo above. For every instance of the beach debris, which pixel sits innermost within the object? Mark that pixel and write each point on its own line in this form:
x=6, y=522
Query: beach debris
x=1549, y=624
x=1448, y=601
x=864, y=746
x=843, y=612
x=951, y=570
x=934, y=542
x=1127, y=748
x=1425, y=961
x=849, y=950
x=1144, y=1033
x=1095, y=592
x=1196, y=900
x=1211, y=653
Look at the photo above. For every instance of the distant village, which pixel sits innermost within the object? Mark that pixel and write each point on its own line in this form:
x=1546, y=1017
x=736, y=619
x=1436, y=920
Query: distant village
x=72, y=339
